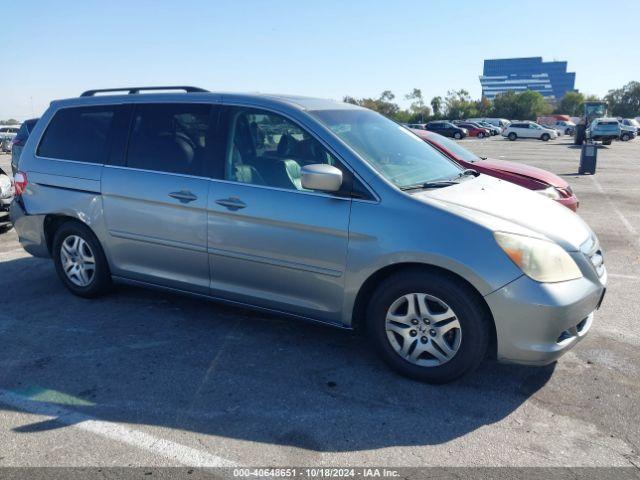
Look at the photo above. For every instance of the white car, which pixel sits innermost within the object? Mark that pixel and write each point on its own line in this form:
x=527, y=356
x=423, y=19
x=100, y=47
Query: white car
x=529, y=130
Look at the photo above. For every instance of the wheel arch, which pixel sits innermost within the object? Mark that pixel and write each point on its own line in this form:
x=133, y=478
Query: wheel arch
x=371, y=283
x=53, y=221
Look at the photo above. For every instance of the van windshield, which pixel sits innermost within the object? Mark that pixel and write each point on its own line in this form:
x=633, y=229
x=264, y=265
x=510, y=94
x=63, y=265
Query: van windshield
x=396, y=153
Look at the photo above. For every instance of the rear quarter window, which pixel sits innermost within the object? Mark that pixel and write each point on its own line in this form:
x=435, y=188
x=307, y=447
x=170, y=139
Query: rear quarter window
x=79, y=133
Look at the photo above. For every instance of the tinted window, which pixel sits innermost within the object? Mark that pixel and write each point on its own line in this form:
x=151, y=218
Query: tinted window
x=264, y=148
x=79, y=134
x=170, y=138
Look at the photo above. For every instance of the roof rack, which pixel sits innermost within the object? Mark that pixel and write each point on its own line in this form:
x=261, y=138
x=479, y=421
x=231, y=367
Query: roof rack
x=134, y=90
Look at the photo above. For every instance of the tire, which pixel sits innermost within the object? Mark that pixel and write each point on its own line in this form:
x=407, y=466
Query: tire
x=625, y=137
x=82, y=251
x=567, y=131
x=481, y=135
x=580, y=135
x=545, y=137
x=512, y=136
x=468, y=340
x=457, y=135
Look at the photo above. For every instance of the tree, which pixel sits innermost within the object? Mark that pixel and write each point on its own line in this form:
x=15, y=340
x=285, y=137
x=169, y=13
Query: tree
x=418, y=109
x=483, y=106
x=625, y=101
x=571, y=104
x=436, y=105
x=527, y=105
x=458, y=105
x=382, y=104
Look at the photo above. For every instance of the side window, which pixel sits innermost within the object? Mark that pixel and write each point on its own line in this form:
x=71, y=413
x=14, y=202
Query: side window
x=264, y=148
x=79, y=134
x=169, y=138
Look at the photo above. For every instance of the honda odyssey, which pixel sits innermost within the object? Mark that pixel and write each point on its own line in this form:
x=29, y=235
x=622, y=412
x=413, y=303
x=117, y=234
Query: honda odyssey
x=309, y=208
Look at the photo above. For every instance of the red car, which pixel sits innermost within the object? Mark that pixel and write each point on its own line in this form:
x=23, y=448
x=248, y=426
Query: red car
x=541, y=181
x=475, y=130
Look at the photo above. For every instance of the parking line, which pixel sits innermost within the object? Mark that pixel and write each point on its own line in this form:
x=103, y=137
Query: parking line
x=159, y=446
x=623, y=219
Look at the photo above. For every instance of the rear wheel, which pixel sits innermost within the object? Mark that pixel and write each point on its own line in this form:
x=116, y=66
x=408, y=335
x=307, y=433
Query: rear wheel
x=428, y=327
x=80, y=261
x=512, y=136
x=545, y=137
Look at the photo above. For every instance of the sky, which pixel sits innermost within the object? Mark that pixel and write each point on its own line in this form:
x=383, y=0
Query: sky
x=326, y=48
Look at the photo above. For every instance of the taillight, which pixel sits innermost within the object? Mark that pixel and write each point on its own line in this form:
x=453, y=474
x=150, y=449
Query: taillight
x=20, y=182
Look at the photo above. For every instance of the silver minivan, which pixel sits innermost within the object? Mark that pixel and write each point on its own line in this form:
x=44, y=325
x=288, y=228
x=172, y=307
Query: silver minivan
x=310, y=208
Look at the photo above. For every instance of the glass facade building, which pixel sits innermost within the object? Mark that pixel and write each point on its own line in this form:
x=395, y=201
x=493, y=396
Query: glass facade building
x=551, y=79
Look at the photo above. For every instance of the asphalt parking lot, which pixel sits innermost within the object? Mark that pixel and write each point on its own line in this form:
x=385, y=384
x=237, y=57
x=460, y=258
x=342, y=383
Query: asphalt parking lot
x=147, y=378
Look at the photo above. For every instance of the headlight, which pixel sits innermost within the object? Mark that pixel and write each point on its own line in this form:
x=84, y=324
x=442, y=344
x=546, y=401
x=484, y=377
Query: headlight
x=551, y=192
x=541, y=260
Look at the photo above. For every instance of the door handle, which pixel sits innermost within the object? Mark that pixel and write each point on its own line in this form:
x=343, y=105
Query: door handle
x=185, y=196
x=231, y=203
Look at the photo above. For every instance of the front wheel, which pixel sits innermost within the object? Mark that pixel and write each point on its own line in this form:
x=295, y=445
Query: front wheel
x=625, y=137
x=80, y=261
x=430, y=327
x=545, y=137
x=481, y=135
x=512, y=136
x=457, y=135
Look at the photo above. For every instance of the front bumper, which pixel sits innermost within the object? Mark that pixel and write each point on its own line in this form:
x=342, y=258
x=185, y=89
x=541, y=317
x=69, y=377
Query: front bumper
x=536, y=322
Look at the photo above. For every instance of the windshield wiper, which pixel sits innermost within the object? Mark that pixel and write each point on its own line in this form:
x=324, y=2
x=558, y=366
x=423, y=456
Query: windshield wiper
x=435, y=184
x=441, y=183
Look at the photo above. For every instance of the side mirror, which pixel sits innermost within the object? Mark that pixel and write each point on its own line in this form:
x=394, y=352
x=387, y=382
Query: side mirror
x=322, y=177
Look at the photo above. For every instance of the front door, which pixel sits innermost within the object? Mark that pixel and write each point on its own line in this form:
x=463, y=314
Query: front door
x=155, y=205
x=271, y=242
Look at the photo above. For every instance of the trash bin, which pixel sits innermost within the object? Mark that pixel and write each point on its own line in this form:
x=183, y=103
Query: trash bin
x=588, y=159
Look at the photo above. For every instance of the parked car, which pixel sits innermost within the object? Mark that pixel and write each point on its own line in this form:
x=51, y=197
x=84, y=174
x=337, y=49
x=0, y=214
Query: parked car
x=604, y=130
x=627, y=132
x=529, y=130
x=492, y=128
x=474, y=129
x=18, y=142
x=561, y=123
x=501, y=123
x=8, y=131
x=308, y=208
x=536, y=179
x=416, y=126
x=630, y=122
x=5, y=145
x=6, y=196
x=447, y=129
x=566, y=126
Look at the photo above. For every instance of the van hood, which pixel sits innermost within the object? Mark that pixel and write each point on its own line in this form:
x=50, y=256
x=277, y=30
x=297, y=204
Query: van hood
x=522, y=170
x=500, y=205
